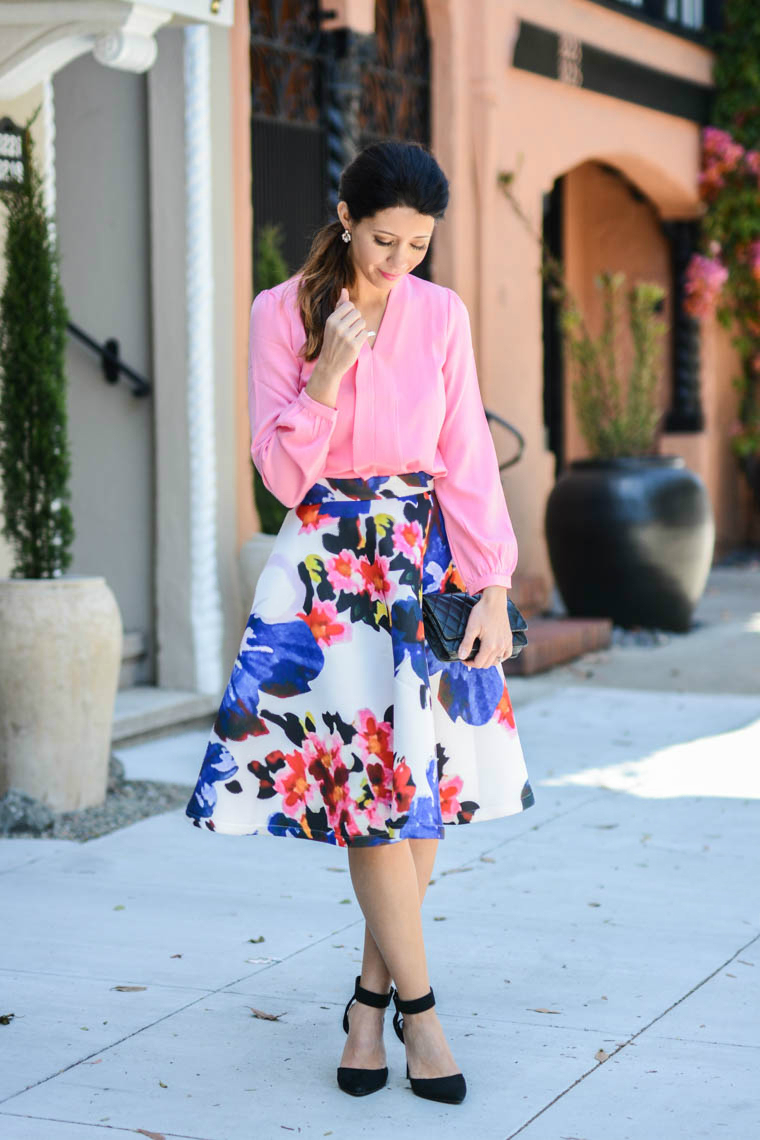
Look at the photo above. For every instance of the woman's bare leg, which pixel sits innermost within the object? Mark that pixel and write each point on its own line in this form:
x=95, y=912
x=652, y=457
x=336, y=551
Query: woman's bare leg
x=364, y=1048
x=386, y=882
x=375, y=974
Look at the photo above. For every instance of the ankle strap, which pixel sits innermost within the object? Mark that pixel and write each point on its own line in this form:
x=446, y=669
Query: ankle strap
x=369, y=997
x=416, y=1005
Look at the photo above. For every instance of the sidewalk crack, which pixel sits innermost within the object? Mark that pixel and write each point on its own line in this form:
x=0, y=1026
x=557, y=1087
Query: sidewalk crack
x=643, y=1029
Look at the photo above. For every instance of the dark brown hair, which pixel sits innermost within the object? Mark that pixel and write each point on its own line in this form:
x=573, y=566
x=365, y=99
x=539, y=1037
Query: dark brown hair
x=382, y=175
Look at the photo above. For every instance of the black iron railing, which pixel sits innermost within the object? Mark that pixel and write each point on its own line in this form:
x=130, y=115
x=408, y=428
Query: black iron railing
x=694, y=19
x=110, y=361
x=497, y=419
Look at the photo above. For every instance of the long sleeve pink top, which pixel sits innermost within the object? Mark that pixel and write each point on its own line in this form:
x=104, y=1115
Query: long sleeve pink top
x=410, y=403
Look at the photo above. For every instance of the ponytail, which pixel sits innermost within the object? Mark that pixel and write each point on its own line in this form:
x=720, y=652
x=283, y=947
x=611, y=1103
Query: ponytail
x=325, y=272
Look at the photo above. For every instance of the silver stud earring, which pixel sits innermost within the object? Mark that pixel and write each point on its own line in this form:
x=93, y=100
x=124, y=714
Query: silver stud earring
x=346, y=235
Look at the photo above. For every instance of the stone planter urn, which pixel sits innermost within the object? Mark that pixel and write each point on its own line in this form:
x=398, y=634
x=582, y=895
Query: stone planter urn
x=252, y=558
x=59, y=671
x=631, y=539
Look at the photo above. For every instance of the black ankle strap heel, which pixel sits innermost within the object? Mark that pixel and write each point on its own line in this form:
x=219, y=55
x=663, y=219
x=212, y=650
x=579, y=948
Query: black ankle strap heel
x=416, y=1005
x=451, y=1089
x=359, y=1082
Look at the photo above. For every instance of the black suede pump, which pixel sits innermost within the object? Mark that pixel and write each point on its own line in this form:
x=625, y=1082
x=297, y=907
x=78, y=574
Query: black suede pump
x=451, y=1089
x=359, y=1082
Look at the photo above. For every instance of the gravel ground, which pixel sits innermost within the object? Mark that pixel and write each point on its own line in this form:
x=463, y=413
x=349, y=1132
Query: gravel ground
x=22, y=816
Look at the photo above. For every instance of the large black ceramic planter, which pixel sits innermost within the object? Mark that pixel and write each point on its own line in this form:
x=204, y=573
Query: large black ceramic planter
x=631, y=539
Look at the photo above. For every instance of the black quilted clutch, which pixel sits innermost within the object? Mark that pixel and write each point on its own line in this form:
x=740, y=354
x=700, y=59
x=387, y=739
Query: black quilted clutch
x=445, y=619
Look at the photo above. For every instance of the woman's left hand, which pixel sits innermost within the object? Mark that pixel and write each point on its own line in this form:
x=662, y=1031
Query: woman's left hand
x=489, y=621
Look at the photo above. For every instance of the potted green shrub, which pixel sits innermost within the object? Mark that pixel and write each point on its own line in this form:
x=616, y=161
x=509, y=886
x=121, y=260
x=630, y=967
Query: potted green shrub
x=270, y=269
x=630, y=532
x=61, y=634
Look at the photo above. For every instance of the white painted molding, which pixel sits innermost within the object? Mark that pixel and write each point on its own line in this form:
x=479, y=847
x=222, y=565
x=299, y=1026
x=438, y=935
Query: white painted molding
x=48, y=167
x=205, y=595
x=38, y=39
x=126, y=52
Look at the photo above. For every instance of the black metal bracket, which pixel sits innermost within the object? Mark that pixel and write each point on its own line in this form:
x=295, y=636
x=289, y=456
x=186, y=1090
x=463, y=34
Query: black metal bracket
x=111, y=362
x=685, y=413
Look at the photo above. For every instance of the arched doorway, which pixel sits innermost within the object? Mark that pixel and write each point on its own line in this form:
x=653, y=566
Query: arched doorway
x=597, y=218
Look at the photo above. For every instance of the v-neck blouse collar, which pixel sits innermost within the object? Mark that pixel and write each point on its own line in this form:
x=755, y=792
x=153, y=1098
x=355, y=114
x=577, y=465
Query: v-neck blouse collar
x=390, y=305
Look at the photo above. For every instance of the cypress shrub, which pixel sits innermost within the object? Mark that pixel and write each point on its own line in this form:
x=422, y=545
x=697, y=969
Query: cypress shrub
x=34, y=449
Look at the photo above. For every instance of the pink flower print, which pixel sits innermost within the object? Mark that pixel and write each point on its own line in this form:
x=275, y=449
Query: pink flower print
x=375, y=742
x=450, y=789
x=703, y=281
x=326, y=766
x=374, y=737
x=325, y=749
x=376, y=581
x=344, y=573
x=325, y=625
x=294, y=785
x=377, y=803
x=408, y=538
x=344, y=820
x=374, y=814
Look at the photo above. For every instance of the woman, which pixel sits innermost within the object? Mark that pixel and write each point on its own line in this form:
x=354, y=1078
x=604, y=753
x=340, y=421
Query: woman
x=338, y=723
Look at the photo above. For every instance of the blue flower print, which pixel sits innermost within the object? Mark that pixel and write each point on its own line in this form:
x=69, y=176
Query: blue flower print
x=281, y=659
x=217, y=765
x=425, y=820
x=470, y=693
x=406, y=615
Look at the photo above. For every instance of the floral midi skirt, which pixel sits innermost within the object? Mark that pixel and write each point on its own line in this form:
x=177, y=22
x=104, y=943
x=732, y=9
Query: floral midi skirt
x=338, y=723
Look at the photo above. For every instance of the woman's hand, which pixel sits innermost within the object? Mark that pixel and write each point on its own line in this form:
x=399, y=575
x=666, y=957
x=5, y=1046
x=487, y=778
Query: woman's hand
x=345, y=333
x=489, y=621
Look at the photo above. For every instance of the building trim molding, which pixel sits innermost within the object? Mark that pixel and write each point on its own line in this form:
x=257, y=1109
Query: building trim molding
x=37, y=39
x=573, y=61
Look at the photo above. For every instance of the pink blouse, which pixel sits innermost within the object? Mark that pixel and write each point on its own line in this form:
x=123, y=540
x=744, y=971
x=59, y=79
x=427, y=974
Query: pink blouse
x=410, y=403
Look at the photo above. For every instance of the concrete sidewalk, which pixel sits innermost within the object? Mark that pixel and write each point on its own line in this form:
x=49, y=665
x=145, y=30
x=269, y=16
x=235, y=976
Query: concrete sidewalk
x=596, y=959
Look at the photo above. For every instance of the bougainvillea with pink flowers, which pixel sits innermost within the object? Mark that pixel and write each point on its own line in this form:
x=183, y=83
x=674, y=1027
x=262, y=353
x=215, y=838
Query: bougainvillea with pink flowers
x=724, y=277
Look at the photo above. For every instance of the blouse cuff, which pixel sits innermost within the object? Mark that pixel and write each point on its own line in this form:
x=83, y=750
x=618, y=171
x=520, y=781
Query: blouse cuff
x=480, y=583
x=316, y=407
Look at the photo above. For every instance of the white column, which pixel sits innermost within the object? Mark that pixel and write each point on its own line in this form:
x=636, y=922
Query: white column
x=205, y=598
x=48, y=166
